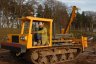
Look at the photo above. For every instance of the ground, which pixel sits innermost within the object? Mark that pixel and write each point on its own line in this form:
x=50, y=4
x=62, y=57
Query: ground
x=87, y=57
x=7, y=58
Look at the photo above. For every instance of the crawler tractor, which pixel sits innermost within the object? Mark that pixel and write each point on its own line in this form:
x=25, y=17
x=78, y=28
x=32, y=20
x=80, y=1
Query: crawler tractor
x=57, y=50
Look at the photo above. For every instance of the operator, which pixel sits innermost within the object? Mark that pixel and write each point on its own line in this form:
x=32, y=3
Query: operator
x=43, y=33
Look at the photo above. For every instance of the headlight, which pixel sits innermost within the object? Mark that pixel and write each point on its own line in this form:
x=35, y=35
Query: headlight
x=23, y=38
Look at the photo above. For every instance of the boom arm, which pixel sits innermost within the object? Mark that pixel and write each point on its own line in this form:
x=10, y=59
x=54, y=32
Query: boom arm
x=73, y=15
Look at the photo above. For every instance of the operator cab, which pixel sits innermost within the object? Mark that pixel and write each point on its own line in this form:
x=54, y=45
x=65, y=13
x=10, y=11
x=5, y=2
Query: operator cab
x=30, y=32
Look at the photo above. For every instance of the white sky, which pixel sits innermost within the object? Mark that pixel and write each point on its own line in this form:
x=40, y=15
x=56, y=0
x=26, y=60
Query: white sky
x=84, y=5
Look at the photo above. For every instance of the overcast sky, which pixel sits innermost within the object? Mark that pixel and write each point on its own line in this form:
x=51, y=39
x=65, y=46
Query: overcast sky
x=84, y=5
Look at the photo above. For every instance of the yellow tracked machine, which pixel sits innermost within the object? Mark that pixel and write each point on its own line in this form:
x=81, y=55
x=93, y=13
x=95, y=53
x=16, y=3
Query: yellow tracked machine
x=57, y=50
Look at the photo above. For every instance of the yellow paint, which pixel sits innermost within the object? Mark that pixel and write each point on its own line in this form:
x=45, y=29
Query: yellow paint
x=29, y=41
x=50, y=44
x=22, y=30
x=84, y=42
x=62, y=31
x=30, y=27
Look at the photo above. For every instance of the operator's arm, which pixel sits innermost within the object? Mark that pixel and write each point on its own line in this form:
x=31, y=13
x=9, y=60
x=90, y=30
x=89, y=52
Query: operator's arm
x=42, y=31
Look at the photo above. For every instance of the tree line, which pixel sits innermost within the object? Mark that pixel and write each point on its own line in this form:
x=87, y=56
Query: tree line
x=85, y=21
x=10, y=10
